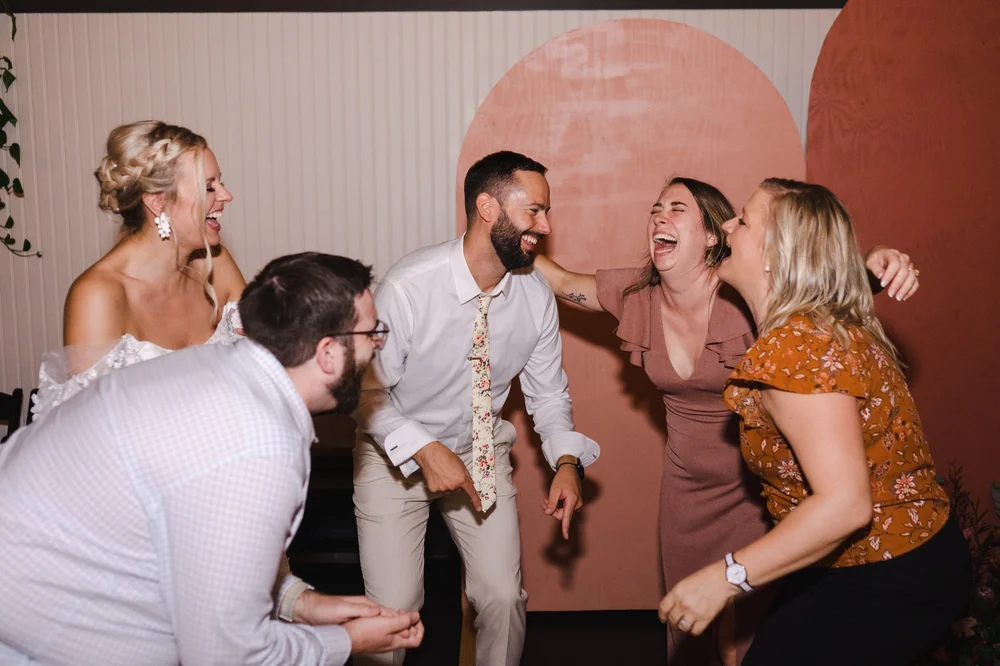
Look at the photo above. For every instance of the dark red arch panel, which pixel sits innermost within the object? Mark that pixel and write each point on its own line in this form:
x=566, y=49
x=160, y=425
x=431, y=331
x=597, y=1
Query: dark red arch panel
x=904, y=124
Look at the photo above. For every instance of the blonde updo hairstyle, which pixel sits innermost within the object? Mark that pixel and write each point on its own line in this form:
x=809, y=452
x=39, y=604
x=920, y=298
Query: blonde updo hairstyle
x=816, y=267
x=143, y=158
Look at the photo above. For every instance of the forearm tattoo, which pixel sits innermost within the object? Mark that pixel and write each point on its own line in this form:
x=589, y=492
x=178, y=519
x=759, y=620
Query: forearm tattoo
x=576, y=298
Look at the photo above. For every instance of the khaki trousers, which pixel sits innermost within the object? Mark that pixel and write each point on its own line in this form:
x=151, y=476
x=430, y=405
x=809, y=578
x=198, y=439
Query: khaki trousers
x=392, y=513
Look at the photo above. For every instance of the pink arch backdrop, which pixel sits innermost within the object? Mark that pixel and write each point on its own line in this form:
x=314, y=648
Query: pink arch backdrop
x=903, y=125
x=614, y=109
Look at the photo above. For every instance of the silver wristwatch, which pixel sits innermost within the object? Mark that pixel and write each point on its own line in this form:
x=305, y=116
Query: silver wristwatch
x=736, y=573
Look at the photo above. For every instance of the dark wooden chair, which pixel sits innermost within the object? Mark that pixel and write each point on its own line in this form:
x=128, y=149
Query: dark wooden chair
x=31, y=401
x=10, y=411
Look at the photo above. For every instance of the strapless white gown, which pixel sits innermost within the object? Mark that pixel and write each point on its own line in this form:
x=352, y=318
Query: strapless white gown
x=58, y=381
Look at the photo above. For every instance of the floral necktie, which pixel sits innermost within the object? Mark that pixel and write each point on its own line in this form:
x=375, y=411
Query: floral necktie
x=483, y=467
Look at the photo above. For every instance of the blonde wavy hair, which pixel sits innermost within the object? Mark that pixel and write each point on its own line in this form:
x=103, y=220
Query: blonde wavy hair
x=143, y=158
x=816, y=268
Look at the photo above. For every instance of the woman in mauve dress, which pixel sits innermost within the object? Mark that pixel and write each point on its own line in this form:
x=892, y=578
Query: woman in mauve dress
x=874, y=568
x=688, y=332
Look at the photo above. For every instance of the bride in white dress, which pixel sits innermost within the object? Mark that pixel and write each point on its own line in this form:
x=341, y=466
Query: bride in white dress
x=168, y=283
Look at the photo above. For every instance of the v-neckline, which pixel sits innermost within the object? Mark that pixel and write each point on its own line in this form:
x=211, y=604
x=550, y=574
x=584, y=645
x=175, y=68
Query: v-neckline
x=658, y=306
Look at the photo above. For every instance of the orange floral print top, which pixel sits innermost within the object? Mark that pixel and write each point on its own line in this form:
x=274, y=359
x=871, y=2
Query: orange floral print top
x=909, y=505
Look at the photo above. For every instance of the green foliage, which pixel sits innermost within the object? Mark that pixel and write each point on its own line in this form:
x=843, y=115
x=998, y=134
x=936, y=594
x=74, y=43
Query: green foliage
x=12, y=186
x=975, y=638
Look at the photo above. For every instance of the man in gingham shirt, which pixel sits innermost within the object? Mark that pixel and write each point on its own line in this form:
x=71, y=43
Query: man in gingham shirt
x=144, y=521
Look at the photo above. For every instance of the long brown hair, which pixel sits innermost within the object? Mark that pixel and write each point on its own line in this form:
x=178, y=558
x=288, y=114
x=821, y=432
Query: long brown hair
x=715, y=209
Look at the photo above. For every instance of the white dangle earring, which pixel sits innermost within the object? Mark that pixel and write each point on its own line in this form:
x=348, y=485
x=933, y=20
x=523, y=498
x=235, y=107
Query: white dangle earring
x=163, y=225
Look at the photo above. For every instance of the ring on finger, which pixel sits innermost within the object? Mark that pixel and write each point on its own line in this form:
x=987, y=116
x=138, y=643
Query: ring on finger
x=916, y=272
x=683, y=625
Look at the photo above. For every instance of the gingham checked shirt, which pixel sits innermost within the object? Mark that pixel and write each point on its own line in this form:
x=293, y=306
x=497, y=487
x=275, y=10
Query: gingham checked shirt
x=142, y=522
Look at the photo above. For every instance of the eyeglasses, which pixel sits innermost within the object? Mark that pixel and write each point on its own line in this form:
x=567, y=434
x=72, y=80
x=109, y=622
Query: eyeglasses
x=377, y=334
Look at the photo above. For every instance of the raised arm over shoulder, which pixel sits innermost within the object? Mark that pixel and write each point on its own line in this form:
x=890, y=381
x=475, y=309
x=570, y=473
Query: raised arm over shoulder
x=577, y=288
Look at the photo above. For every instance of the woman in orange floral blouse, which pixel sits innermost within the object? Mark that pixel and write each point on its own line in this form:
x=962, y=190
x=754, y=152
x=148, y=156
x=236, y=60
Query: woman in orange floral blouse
x=874, y=568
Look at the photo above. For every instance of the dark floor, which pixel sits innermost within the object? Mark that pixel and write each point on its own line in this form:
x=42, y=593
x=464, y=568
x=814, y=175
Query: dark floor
x=622, y=638
x=625, y=638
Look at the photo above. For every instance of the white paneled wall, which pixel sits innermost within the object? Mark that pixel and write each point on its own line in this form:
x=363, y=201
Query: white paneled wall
x=337, y=132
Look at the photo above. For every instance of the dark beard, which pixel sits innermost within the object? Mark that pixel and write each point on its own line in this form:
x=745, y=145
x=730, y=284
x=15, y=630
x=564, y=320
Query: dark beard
x=348, y=389
x=506, y=240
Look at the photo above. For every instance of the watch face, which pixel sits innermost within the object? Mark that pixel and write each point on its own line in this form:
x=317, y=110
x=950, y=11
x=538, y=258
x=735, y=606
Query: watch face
x=736, y=574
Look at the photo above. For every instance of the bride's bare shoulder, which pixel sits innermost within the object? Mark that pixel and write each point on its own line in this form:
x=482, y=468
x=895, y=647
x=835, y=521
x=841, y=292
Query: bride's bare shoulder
x=96, y=306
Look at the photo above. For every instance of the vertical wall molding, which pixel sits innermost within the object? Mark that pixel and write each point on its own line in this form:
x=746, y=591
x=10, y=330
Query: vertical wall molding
x=338, y=132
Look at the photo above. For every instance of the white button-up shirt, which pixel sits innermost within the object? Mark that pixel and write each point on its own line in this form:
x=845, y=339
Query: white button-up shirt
x=419, y=387
x=143, y=520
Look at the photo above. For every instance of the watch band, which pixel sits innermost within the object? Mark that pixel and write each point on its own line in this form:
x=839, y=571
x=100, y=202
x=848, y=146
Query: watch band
x=288, y=599
x=743, y=585
x=577, y=465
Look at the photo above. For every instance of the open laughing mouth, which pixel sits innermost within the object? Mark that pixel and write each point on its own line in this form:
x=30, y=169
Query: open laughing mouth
x=528, y=241
x=212, y=221
x=664, y=242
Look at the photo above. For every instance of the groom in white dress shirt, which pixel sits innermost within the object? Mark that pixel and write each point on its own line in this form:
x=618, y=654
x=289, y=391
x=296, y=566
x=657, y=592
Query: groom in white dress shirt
x=417, y=442
x=143, y=520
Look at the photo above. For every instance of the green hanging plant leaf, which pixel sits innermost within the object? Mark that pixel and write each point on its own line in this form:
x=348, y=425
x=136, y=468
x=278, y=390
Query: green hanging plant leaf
x=7, y=78
x=13, y=19
x=6, y=116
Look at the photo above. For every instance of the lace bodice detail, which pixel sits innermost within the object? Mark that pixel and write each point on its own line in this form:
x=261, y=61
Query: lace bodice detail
x=58, y=382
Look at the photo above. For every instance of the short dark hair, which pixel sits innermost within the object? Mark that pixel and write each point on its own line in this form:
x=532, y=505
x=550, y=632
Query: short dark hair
x=494, y=174
x=299, y=299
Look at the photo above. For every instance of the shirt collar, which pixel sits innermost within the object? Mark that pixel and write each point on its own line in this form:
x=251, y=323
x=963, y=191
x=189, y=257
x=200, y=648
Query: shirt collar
x=465, y=284
x=283, y=383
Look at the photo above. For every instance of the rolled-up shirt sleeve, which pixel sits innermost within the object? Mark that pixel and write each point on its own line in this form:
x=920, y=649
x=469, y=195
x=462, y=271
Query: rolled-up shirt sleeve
x=377, y=415
x=546, y=396
x=287, y=589
x=225, y=534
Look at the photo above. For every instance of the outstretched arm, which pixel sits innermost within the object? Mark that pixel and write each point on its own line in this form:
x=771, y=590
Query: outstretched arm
x=546, y=398
x=578, y=288
x=894, y=270
x=824, y=431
